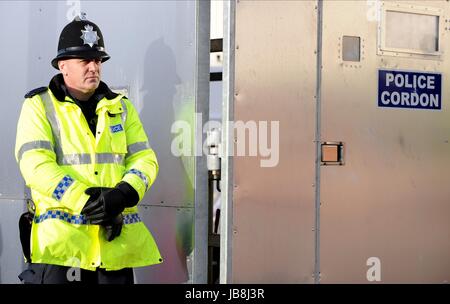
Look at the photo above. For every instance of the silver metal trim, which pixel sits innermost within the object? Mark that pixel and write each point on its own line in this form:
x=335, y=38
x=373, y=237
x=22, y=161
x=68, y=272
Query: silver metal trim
x=202, y=40
x=226, y=217
x=318, y=140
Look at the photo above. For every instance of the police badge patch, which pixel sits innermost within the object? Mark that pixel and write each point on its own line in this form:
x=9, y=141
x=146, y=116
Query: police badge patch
x=116, y=128
x=89, y=36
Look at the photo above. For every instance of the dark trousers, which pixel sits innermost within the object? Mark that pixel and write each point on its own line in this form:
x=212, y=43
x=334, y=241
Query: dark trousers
x=55, y=274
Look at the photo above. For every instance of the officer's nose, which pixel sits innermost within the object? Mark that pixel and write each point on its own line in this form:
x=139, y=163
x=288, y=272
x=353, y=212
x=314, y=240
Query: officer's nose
x=94, y=64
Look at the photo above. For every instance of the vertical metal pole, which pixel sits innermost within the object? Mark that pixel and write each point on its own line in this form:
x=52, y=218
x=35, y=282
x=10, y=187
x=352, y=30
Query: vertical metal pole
x=202, y=40
x=226, y=218
x=210, y=225
x=318, y=140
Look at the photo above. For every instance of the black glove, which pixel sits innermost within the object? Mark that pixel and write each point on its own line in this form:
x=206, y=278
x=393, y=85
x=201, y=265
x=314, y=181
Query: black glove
x=113, y=227
x=105, y=203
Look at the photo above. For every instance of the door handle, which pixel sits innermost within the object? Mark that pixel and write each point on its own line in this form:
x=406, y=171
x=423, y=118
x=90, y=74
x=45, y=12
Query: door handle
x=332, y=153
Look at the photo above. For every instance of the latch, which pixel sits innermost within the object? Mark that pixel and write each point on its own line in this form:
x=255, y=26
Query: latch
x=332, y=153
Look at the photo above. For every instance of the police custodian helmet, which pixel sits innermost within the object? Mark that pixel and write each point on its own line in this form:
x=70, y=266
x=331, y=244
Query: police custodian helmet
x=80, y=39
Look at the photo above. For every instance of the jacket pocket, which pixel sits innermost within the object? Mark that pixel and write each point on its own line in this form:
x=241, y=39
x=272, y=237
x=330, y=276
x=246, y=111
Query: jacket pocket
x=117, y=135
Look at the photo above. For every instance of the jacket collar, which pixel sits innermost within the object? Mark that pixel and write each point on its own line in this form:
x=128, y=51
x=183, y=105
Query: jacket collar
x=59, y=90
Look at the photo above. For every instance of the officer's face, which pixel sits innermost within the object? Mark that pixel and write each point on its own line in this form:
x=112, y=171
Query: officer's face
x=81, y=74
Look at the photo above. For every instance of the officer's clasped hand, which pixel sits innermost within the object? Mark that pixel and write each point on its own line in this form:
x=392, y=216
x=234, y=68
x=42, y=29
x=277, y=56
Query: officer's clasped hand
x=103, y=204
x=113, y=227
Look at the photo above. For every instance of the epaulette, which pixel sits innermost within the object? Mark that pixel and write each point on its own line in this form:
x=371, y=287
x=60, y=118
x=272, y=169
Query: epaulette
x=35, y=91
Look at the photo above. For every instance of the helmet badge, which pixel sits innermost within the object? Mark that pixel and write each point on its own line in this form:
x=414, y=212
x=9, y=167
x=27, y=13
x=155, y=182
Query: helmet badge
x=89, y=36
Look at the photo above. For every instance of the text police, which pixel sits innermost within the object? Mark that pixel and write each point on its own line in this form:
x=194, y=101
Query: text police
x=400, y=89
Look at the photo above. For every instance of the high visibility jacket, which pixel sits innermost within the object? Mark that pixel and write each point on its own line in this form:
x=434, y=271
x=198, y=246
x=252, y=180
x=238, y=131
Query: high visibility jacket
x=60, y=158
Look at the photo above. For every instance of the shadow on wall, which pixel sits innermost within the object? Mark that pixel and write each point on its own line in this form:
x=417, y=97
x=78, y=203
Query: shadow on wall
x=164, y=100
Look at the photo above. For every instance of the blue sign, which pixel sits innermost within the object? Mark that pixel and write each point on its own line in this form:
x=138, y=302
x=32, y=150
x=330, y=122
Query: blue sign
x=116, y=128
x=399, y=89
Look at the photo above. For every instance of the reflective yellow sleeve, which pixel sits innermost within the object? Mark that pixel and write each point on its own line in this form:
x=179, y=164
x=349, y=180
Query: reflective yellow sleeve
x=37, y=159
x=141, y=163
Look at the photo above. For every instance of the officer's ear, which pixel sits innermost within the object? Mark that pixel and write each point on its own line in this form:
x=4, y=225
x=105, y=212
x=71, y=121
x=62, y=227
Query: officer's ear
x=62, y=65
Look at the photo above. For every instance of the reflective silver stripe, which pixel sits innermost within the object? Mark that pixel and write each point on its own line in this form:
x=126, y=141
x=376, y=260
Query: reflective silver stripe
x=85, y=159
x=109, y=158
x=137, y=147
x=76, y=159
x=54, y=123
x=124, y=113
x=32, y=145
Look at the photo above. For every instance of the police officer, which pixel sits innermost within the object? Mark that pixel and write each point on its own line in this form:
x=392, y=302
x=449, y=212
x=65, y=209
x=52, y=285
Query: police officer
x=83, y=152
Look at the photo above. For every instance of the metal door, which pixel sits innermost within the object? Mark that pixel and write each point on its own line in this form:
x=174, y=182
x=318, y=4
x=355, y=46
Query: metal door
x=359, y=193
x=271, y=234
x=384, y=213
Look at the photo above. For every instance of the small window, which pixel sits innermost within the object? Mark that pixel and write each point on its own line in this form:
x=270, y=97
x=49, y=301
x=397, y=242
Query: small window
x=412, y=31
x=351, y=48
